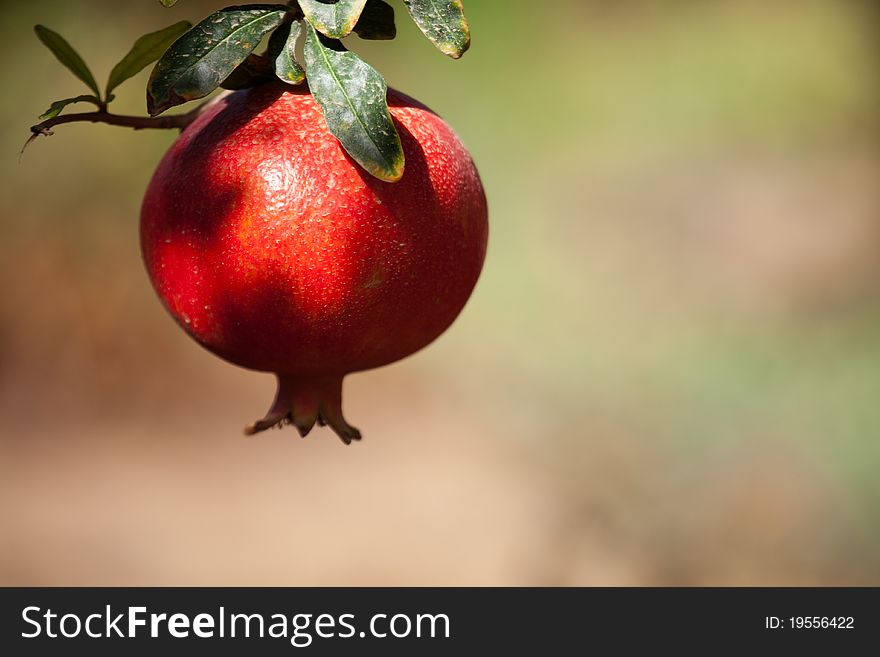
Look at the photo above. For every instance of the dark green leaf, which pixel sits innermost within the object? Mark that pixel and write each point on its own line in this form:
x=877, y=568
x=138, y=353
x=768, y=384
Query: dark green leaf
x=376, y=21
x=67, y=56
x=202, y=58
x=168, y=3
x=58, y=106
x=443, y=22
x=251, y=72
x=352, y=95
x=282, y=49
x=336, y=19
x=144, y=52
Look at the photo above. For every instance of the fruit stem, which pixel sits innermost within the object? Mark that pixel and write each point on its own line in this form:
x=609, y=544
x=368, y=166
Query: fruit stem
x=303, y=401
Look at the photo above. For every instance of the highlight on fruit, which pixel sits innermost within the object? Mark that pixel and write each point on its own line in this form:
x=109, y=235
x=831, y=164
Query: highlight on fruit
x=308, y=221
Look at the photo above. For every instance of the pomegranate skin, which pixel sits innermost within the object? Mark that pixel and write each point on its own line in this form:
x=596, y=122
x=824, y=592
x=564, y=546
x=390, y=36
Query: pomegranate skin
x=276, y=251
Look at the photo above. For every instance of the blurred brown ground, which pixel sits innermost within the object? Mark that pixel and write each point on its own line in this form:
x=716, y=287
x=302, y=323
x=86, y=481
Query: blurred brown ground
x=669, y=373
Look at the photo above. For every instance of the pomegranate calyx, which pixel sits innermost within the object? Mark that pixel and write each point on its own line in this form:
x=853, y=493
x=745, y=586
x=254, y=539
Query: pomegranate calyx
x=304, y=401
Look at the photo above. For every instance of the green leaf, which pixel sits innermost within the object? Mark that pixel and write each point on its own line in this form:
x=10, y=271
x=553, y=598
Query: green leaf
x=376, y=21
x=168, y=3
x=443, y=22
x=202, y=58
x=144, y=52
x=58, y=106
x=351, y=94
x=282, y=49
x=336, y=19
x=251, y=72
x=67, y=56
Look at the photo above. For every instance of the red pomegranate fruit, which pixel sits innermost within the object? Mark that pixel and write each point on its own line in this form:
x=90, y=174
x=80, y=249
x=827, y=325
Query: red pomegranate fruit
x=276, y=251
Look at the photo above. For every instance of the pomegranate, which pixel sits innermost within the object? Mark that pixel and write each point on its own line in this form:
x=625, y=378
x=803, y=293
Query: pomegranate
x=274, y=250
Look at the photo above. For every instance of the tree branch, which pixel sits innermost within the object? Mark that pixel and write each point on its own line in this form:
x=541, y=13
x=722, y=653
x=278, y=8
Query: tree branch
x=175, y=121
x=179, y=121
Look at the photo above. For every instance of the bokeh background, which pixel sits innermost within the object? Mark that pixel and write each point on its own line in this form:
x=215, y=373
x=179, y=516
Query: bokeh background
x=669, y=372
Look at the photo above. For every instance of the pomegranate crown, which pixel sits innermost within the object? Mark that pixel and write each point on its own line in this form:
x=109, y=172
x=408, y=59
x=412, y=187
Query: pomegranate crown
x=192, y=61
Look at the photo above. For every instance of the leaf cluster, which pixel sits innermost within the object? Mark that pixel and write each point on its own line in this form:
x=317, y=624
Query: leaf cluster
x=191, y=61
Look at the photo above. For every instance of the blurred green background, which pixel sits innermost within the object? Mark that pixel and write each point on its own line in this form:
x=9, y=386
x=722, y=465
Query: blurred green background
x=669, y=372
